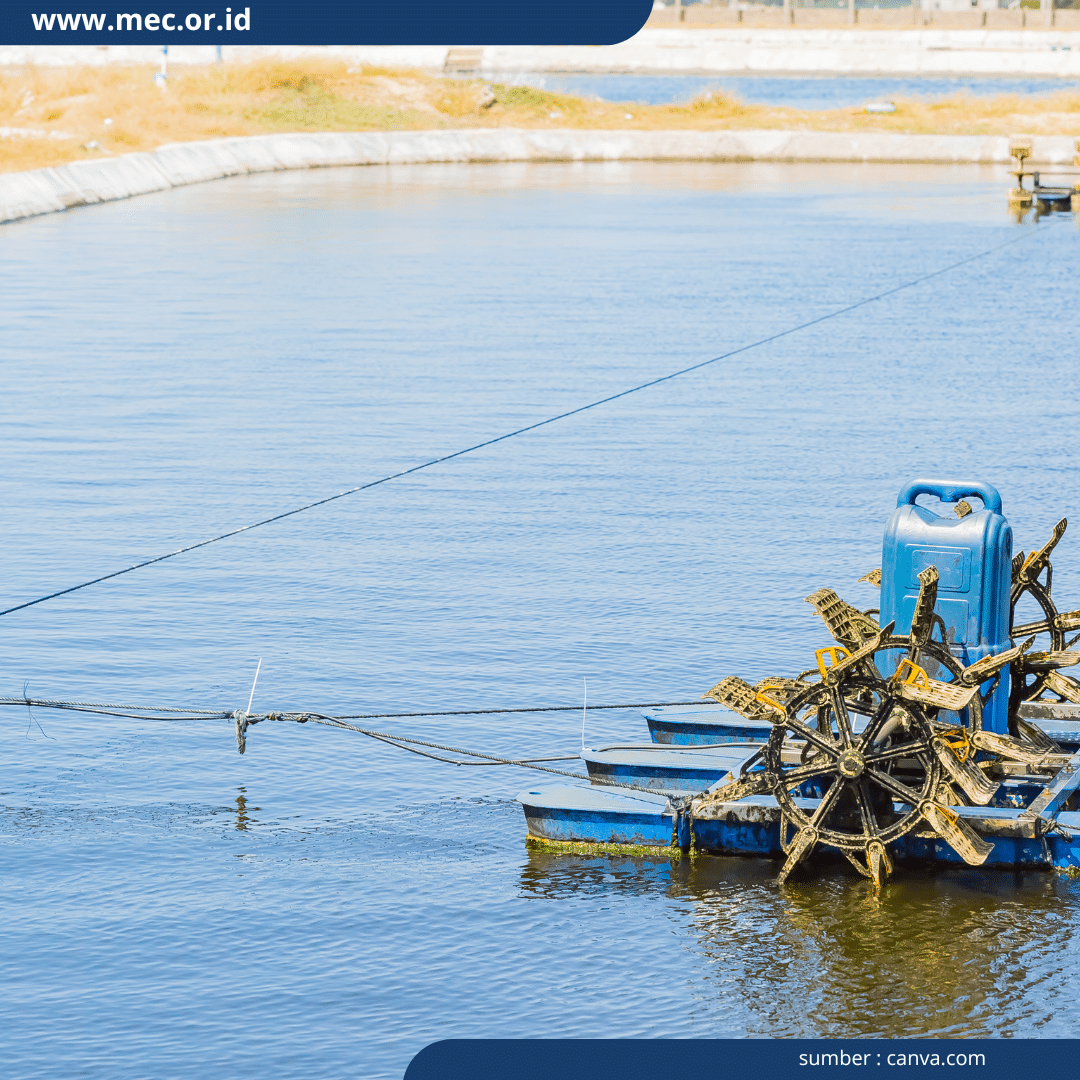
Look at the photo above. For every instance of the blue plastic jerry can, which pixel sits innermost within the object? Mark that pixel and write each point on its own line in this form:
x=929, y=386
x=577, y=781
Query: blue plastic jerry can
x=973, y=556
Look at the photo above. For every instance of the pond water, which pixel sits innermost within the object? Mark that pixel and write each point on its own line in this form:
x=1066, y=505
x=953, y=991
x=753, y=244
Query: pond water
x=183, y=363
x=789, y=91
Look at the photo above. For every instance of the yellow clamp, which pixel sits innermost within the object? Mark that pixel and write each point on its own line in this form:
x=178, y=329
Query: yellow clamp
x=835, y=655
x=914, y=676
x=959, y=742
x=771, y=702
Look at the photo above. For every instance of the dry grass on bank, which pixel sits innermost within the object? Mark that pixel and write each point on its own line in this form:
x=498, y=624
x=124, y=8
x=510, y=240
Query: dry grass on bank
x=271, y=96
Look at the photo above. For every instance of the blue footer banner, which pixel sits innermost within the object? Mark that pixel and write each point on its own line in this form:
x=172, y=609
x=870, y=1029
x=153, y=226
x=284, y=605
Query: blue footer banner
x=742, y=1059
x=325, y=22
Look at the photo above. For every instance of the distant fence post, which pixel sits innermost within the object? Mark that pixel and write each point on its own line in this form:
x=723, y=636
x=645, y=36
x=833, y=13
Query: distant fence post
x=1048, y=11
x=851, y=11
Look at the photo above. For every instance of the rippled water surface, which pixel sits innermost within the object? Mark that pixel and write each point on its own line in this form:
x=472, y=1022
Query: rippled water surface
x=184, y=363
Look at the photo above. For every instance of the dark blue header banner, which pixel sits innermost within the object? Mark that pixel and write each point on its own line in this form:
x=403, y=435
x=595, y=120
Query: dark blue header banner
x=744, y=1059
x=326, y=22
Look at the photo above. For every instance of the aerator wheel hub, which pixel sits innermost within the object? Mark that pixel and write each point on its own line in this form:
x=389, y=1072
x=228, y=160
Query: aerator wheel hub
x=851, y=764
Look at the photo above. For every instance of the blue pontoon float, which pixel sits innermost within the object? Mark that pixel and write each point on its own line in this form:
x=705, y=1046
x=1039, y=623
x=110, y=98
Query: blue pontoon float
x=707, y=725
x=931, y=731
x=668, y=769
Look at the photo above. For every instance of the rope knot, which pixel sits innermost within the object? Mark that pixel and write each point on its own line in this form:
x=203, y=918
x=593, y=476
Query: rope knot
x=241, y=719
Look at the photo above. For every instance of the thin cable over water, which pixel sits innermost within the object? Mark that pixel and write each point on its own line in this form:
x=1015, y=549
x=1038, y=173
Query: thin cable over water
x=423, y=747
x=531, y=427
x=629, y=790
x=220, y=714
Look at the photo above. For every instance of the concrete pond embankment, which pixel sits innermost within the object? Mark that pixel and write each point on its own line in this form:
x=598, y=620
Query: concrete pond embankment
x=83, y=183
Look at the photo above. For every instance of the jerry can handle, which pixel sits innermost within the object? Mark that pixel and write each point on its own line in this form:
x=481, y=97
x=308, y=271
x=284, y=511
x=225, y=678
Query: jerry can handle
x=950, y=491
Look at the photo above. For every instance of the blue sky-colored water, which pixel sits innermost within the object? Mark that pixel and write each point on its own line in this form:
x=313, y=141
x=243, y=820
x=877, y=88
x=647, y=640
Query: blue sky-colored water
x=789, y=91
x=183, y=363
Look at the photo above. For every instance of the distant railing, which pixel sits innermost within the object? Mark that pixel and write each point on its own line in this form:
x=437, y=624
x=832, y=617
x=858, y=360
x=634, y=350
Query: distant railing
x=942, y=14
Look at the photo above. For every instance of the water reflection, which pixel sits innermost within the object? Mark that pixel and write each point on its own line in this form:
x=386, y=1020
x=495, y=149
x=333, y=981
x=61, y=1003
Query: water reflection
x=1041, y=209
x=242, y=816
x=550, y=875
x=961, y=953
x=958, y=953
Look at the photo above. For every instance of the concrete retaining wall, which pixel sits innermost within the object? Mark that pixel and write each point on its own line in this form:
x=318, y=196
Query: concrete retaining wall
x=1044, y=53
x=817, y=52
x=42, y=191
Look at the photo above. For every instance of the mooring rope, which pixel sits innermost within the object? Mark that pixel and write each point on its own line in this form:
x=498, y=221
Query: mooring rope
x=382, y=736
x=52, y=703
x=545, y=708
x=244, y=720
x=494, y=759
x=531, y=427
x=226, y=714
